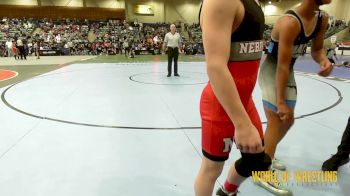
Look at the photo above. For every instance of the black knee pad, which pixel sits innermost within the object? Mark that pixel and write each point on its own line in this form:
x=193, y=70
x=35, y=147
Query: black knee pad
x=252, y=162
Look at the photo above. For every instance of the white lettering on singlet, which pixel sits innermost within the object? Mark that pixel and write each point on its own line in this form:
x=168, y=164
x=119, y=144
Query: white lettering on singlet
x=228, y=144
x=299, y=50
x=244, y=48
x=257, y=46
x=250, y=47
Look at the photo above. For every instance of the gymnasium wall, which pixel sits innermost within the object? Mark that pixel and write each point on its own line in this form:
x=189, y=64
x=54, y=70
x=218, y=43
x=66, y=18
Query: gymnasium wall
x=187, y=10
x=68, y=3
x=184, y=10
x=339, y=9
x=275, y=10
x=54, y=12
x=158, y=6
x=165, y=10
x=19, y=2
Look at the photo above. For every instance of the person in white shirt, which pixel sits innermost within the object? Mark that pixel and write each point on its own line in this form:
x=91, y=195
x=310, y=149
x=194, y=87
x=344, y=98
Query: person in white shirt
x=9, y=48
x=172, y=43
x=126, y=46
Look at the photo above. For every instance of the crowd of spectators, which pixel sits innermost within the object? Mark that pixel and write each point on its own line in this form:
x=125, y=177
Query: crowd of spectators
x=22, y=37
x=195, y=43
x=82, y=37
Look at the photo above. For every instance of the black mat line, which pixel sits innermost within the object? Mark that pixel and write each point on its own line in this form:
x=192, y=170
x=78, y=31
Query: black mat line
x=340, y=98
x=132, y=79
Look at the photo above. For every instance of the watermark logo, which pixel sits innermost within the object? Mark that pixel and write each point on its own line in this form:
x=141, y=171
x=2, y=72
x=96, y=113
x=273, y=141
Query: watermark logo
x=302, y=177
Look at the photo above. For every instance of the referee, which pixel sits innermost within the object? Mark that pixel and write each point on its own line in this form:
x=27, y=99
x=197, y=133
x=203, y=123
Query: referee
x=172, y=43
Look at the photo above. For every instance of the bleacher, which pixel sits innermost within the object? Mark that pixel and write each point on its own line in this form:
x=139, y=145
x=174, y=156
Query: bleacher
x=108, y=36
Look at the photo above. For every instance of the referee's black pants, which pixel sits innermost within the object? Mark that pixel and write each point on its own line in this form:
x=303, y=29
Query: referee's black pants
x=22, y=52
x=173, y=53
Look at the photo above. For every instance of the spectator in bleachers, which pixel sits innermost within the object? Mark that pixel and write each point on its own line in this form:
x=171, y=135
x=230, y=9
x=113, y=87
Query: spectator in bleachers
x=9, y=47
x=108, y=35
x=126, y=46
x=37, y=48
x=331, y=54
x=15, y=50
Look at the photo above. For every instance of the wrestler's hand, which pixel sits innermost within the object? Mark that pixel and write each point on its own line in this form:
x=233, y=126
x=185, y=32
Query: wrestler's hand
x=326, y=68
x=285, y=113
x=247, y=139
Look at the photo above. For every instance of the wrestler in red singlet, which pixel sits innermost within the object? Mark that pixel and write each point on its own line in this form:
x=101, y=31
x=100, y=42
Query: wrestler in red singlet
x=246, y=51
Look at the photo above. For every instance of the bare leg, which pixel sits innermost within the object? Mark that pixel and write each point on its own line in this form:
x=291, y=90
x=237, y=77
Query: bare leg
x=275, y=132
x=207, y=176
x=233, y=177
